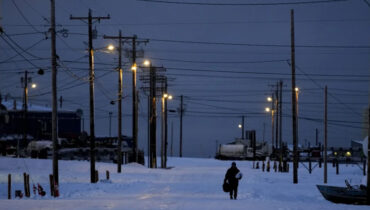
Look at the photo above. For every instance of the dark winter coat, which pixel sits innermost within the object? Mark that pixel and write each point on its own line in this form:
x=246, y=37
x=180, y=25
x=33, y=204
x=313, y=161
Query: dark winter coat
x=230, y=176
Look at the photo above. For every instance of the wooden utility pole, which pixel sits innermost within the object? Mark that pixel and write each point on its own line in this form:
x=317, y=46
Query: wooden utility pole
x=368, y=157
x=273, y=120
x=54, y=115
x=134, y=100
x=120, y=93
x=325, y=134
x=277, y=112
x=153, y=118
x=165, y=126
x=163, y=99
x=90, y=18
x=181, y=115
x=280, y=119
x=294, y=103
x=25, y=110
x=134, y=95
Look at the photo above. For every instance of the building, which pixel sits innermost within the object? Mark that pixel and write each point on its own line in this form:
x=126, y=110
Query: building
x=35, y=124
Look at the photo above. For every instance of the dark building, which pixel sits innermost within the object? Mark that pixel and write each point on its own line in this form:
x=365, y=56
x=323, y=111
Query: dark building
x=36, y=122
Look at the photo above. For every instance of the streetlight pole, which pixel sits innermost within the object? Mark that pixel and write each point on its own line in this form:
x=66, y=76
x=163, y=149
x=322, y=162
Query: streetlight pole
x=54, y=115
x=294, y=107
x=134, y=100
x=120, y=93
x=90, y=18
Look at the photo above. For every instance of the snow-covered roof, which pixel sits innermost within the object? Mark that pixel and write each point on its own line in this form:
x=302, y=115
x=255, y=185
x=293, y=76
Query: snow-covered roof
x=31, y=107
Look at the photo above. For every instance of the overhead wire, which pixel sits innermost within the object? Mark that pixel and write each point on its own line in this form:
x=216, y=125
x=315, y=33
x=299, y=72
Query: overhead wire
x=242, y=4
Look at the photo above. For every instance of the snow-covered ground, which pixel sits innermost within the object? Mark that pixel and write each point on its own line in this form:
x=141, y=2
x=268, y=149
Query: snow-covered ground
x=191, y=184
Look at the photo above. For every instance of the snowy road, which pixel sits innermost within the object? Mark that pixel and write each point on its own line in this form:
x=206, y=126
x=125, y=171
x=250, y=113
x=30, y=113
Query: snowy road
x=191, y=184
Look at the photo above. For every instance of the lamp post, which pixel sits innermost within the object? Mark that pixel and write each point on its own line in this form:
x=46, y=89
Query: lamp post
x=165, y=97
x=272, y=110
x=296, y=89
x=134, y=110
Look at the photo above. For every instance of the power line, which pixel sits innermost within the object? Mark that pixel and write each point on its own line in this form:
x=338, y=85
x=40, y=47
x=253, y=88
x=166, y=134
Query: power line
x=260, y=45
x=243, y=4
x=217, y=62
x=265, y=73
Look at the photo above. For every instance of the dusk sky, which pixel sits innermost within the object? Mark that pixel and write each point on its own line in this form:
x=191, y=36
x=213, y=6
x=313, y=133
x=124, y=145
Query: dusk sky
x=224, y=60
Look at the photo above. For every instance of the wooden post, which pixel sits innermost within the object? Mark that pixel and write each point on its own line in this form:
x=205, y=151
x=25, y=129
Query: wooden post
x=309, y=165
x=337, y=166
x=25, y=183
x=51, y=179
x=9, y=186
x=263, y=165
x=107, y=174
x=28, y=193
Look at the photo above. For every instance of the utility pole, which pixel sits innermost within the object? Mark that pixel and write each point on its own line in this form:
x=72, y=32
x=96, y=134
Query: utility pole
x=325, y=134
x=162, y=129
x=134, y=95
x=181, y=115
x=148, y=129
x=277, y=117
x=54, y=115
x=120, y=93
x=280, y=119
x=134, y=100
x=294, y=104
x=25, y=110
x=165, y=125
x=90, y=18
x=153, y=118
x=272, y=120
x=368, y=158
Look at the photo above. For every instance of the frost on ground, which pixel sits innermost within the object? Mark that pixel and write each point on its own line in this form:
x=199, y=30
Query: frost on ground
x=191, y=184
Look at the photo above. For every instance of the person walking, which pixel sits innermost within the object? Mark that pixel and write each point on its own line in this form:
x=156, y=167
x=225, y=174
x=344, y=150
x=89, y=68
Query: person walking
x=232, y=177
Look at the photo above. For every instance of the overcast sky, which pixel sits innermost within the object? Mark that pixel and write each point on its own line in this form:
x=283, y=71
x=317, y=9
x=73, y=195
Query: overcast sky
x=240, y=54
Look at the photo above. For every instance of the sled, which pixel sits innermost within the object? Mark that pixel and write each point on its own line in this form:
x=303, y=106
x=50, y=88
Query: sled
x=347, y=195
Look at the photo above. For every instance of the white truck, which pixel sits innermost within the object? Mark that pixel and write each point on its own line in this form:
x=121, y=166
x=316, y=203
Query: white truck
x=242, y=149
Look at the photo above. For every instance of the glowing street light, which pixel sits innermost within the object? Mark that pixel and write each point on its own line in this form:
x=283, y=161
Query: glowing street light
x=33, y=85
x=240, y=126
x=133, y=67
x=269, y=99
x=267, y=109
x=111, y=47
x=146, y=63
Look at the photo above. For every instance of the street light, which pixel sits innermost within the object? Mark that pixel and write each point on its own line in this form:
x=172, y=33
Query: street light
x=33, y=85
x=267, y=109
x=134, y=67
x=240, y=126
x=111, y=47
x=165, y=97
x=146, y=63
x=269, y=99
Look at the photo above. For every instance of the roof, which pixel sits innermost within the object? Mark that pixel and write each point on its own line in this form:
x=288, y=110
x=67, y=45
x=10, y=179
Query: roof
x=31, y=107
